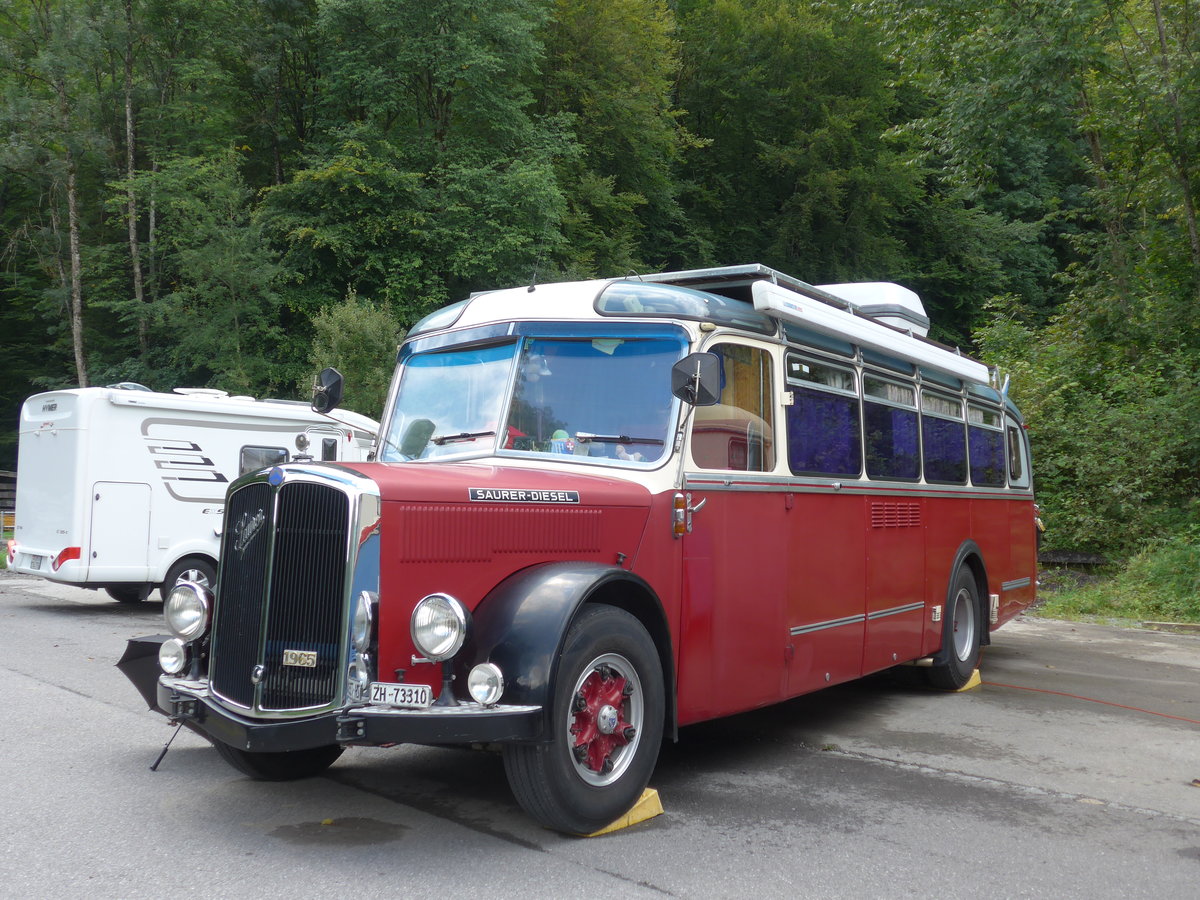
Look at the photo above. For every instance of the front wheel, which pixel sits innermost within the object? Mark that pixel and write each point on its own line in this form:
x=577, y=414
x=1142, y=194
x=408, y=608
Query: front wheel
x=960, y=635
x=607, y=725
x=192, y=568
x=287, y=765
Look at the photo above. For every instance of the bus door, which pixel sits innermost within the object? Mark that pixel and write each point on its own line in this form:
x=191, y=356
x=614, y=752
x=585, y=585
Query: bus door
x=735, y=558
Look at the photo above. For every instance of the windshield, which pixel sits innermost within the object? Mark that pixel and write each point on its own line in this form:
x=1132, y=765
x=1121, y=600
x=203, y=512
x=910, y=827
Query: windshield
x=448, y=402
x=604, y=398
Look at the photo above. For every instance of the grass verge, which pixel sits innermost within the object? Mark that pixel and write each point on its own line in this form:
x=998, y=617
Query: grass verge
x=1159, y=584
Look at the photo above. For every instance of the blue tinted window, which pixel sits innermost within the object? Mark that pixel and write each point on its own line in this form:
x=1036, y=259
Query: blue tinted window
x=945, y=450
x=823, y=434
x=987, y=456
x=893, y=450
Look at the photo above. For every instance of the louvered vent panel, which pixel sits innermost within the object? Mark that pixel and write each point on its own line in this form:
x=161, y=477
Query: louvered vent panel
x=890, y=514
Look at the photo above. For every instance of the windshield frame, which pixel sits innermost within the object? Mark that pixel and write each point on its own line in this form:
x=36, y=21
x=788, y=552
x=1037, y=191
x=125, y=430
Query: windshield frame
x=517, y=334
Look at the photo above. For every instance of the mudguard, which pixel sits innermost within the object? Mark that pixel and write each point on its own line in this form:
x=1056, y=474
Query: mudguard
x=521, y=625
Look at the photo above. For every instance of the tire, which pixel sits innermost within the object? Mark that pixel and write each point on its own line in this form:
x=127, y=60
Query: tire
x=961, y=635
x=190, y=568
x=576, y=785
x=287, y=765
x=129, y=593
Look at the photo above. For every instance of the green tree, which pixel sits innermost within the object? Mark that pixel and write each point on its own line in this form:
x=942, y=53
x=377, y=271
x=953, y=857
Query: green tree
x=222, y=322
x=611, y=68
x=359, y=339
x=793, y=102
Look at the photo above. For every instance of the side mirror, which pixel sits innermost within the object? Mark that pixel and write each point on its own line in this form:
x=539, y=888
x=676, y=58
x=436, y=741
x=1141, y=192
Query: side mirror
x=327, y=391
x=696, y=379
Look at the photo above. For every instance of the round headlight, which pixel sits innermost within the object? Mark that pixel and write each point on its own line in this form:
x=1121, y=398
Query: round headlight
x=439, y=626
x=364, y=618
x=172, y=656
x=485, y=684
x=186, y=610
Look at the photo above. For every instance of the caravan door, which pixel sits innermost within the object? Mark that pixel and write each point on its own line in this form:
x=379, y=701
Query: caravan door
x=119, y=549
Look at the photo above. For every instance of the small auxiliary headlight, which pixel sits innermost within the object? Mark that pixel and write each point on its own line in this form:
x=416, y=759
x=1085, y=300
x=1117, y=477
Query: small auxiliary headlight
x=485, y=684
x=439, y=626
x=172, y=656
x=186, y=610
x=364, y=618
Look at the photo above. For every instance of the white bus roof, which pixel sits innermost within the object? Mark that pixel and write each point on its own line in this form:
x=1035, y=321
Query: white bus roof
x=881, y=316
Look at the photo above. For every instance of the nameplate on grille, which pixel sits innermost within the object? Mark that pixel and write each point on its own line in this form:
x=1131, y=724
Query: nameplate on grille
x=304, y=658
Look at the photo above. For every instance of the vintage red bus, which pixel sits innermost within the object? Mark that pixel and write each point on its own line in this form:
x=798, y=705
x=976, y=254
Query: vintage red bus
x=604, y=510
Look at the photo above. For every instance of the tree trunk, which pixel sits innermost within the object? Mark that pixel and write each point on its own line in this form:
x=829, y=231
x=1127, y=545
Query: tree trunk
x=139, y=294
x=76, y=272
x=76, y=264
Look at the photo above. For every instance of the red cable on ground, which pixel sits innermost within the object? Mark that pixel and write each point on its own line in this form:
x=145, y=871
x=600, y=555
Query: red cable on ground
x=1149, y=712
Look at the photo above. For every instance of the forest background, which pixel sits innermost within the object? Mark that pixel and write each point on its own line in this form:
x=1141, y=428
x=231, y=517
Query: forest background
x=231, y=193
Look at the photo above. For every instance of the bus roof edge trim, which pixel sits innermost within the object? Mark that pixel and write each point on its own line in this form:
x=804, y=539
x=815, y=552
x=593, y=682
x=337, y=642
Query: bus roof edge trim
x=820, y=316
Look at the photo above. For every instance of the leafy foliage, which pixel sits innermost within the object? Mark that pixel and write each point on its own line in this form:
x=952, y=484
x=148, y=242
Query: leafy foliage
x=353, y=337
x=1030, y=168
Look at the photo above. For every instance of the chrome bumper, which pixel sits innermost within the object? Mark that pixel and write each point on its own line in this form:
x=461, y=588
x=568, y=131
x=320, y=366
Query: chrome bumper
x=190, y=702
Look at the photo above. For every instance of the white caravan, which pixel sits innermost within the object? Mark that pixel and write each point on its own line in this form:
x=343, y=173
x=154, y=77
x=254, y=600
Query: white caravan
x=123, y=489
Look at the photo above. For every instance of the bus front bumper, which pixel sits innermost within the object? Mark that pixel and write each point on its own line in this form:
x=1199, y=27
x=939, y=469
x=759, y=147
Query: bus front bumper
x=191, y=703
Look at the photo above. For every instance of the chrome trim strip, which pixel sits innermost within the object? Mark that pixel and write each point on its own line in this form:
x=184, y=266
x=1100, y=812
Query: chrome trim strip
x=1017, y=584
x=895, y=611
x=832, y=623
x=753, y=481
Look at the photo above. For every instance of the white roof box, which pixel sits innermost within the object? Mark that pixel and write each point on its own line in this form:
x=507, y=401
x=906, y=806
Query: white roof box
x=884, y=302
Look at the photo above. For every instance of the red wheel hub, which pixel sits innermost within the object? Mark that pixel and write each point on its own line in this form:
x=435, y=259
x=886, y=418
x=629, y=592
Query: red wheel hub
x=599, y=725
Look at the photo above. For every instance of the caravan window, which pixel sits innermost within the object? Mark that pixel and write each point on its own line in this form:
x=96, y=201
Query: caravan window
x=255, y=458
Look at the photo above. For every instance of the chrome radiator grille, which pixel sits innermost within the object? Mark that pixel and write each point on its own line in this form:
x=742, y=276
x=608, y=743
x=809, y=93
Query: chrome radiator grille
x=281, y=588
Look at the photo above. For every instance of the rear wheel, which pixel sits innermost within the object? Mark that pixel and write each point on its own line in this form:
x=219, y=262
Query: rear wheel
x=287, y=765
x=607, y=724
x=129, y=593
x=191, y=568
x=961, y=633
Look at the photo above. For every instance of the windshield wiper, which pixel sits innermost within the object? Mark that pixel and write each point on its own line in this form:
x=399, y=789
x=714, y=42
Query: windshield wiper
x=615, y=439
x=461, y=436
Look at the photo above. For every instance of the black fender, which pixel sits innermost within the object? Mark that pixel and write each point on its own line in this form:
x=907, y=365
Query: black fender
x=521, y=624
x=971, y=556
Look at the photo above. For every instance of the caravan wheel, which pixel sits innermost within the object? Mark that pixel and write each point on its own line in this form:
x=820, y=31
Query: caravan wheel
x=193, y=568
x=129, y=593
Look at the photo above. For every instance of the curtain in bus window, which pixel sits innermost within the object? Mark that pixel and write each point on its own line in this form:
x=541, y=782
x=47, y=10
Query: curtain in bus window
x=823, y=434
x=987, y=456
x=945, y=450
x=892, y=447
x=738, y=432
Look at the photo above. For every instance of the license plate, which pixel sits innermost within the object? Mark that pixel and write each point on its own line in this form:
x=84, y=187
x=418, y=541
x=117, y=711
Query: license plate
x=35, y=562
x=416, y=696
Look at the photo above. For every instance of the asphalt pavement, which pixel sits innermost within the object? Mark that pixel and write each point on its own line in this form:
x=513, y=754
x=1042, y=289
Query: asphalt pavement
x=1073, y=770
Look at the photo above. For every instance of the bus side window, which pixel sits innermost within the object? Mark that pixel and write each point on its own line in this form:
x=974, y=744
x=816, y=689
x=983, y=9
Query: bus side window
x=943, y=439
x=1018, y=457
x=824, y=436
x=986, y=446
x=738, y=432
